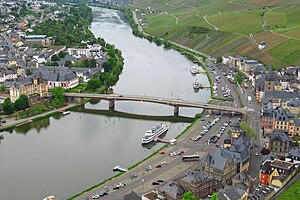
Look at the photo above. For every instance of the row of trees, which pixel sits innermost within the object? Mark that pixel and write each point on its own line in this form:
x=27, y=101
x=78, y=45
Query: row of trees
x=135, y=30
x=113, y=67
x=20, y=104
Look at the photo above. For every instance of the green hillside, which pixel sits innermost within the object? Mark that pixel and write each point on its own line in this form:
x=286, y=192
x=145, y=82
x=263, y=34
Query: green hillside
x=230, y=24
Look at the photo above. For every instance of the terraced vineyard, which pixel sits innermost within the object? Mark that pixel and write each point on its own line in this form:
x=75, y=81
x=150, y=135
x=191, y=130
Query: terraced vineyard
x=235, y=26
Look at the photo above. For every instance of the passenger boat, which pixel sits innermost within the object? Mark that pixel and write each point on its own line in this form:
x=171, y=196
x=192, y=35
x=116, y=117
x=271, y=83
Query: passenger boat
x=193, y=69
x=154, y=133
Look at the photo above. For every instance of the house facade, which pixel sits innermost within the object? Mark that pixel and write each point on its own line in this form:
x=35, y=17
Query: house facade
x=29, y=87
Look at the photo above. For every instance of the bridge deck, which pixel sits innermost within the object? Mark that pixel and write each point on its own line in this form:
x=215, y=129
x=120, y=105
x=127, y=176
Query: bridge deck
x=159, y=100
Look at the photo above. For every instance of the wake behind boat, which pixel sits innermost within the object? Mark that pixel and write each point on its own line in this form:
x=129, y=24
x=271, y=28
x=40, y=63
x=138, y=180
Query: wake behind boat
x=154, y=133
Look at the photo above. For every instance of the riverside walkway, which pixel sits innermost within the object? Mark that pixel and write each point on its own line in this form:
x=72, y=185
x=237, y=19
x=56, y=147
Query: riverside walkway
x=176, y=103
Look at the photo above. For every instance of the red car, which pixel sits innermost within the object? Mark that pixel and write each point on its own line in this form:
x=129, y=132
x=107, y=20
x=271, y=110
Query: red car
x=162, y=152
x=65, y=104
x=158, y=166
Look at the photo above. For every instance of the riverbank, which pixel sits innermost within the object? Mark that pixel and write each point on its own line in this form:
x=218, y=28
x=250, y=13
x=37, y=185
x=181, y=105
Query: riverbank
x=12, y=122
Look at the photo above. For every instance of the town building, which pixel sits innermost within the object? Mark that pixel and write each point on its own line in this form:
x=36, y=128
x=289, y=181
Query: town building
x=262, y=192
x=58, y=77
x=244, y=177
x=280, y=143
x=33, y=87
x=171, y=191
x=132, y=196
x=221, y=166
x=238, y=191
x=262, y=45
x=294, y=156
x=276, y=172
x=42, y=40
x=199, y=183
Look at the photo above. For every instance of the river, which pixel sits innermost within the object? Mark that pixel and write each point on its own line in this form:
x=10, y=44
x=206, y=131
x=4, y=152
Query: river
x=62, y=156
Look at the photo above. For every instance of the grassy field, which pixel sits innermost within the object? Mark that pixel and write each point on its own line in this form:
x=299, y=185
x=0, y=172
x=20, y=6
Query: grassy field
x=235, y=22
x=288, y=51
x=275, y=18
x=292, y=193
x=295, y=33
x=230, y=22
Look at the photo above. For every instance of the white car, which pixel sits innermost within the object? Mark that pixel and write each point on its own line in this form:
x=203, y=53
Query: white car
x=256, y=154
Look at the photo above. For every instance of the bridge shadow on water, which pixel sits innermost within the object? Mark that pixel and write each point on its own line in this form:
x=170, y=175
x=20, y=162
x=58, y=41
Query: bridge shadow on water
x=114, y=113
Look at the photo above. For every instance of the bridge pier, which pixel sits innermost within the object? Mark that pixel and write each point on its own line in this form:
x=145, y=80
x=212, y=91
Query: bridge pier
x=70, y=99
x=209, y=111
x=78, y=99
x=176, y=110
x=111, y=104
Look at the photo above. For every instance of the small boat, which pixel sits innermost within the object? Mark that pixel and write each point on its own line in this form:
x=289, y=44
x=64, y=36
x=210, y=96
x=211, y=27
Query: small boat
x=49, y=198
x=197, y=84
x=193, y=69
x=1, y=137
x=66, y=113
x=120, y=169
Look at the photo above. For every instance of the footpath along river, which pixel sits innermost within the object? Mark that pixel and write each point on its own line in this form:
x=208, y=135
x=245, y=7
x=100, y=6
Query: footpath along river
x=62, y=156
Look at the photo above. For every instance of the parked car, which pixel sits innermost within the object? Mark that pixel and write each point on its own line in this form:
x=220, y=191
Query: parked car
x=155, y=183
x=116, y=187
x=96, y=196
x=158, y=166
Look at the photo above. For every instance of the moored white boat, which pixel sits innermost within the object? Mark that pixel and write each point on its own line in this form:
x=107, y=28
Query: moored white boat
x=66, y=113
x=154, y=132
x=49, y=198
x=197, y=84
x=193, y=69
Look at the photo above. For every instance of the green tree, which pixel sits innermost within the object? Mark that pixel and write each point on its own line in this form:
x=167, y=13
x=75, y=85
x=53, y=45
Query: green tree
x=214, y=196
x=93, y=63
x=8, y=107
x=54, y=58
x=58, y=96
x=93, y=84
x=2, y=88
x=61, y=54
x=219, y=59
x=188, y=196
x=28, y=72
x=248, y=130
x=68, y=63
x=22, y=102
x=239, y=77
x=101, y=41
